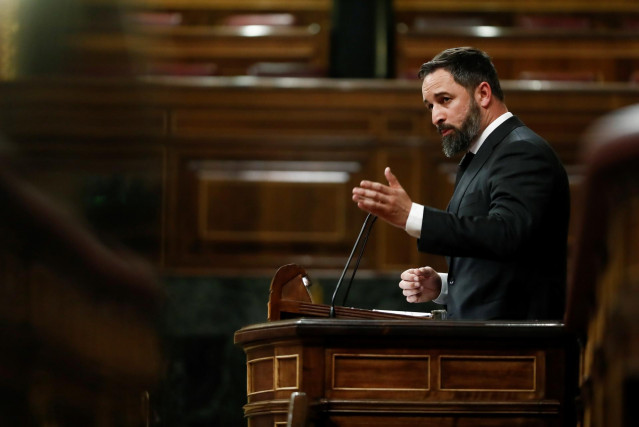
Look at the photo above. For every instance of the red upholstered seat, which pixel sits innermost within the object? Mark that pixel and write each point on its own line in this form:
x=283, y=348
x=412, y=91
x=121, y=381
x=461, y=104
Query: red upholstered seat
x=181, y=69
x=553, y=21
x=285, y=69
x=565, y=76
x=278, y=19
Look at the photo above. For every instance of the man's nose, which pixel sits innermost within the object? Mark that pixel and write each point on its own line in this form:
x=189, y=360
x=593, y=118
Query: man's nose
x=437, y=116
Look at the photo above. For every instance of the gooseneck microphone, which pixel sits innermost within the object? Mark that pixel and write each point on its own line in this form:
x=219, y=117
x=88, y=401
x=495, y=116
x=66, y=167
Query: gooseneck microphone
x=368, y=227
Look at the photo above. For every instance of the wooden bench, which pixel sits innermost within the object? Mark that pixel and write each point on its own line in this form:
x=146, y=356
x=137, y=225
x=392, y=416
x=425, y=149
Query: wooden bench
x=539, y=36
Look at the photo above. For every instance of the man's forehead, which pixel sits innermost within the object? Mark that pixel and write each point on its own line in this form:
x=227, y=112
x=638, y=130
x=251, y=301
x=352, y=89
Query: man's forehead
x=438, y=81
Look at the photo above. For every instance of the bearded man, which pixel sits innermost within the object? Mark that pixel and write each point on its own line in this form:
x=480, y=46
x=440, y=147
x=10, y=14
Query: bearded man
x=504, y=233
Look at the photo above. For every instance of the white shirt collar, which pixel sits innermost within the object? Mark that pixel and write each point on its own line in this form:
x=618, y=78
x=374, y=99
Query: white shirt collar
x=474, y=148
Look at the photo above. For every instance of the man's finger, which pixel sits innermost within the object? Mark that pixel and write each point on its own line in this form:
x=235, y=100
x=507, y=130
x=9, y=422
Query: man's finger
x=364, y=193
x=404, y=284
x=408, y=275
x=413, y=298
x=379, y=187
x=411, y=292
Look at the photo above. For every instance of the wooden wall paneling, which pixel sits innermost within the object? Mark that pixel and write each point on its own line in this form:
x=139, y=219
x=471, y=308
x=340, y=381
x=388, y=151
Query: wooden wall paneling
x=562, y=114
x=202, y=125
x=260, y=206
x=255, y=122
x=117, y=189
x=92, y=147
x=387, y=98
x=114, y=122
x=332, y=126
x=409, y=164
x=405, y=123
x=79, y=109
x=302, y=199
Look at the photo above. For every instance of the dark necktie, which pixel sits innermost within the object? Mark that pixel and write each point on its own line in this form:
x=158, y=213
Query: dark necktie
x=461, y=168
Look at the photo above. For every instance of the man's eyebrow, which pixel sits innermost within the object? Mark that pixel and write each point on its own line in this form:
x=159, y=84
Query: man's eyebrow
x=436, y=96
x=440, y=94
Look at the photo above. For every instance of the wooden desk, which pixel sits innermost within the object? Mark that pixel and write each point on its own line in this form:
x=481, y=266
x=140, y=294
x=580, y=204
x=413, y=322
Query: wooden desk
x=410, y=372
x=363, y=369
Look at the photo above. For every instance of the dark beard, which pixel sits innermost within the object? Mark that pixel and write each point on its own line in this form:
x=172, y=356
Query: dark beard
x=461, y=138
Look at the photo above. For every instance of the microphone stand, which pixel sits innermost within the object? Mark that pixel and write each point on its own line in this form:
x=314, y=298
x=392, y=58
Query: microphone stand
x=361, y=252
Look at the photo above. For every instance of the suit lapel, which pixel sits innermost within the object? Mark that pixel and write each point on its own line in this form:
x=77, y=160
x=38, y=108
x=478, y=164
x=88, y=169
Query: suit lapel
x=484, y=153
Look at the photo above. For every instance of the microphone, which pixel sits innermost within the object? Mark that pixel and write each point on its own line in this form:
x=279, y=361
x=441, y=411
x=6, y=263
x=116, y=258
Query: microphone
x=359, y=257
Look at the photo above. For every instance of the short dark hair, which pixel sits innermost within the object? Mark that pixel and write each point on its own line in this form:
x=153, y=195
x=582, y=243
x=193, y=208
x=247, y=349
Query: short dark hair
x=468, y=66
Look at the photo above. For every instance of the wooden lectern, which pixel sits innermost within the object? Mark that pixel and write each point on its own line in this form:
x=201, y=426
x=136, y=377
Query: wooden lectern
x=364, y=369
x=290, y=297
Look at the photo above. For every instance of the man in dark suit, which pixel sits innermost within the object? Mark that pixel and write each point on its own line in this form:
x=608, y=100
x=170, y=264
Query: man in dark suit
x=505, y=229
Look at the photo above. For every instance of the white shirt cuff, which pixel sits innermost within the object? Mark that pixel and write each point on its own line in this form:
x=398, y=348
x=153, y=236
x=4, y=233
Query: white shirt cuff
x=443, y=295
x=414, y=228
x=414, y=221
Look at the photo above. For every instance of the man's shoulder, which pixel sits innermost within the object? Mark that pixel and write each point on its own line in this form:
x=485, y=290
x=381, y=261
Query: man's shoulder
x=514, y=130
x=523, y=142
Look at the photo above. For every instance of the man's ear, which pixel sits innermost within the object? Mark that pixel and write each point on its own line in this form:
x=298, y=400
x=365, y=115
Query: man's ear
x=483, y=94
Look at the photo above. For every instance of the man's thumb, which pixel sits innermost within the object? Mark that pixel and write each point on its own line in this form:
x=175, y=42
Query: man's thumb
x=392, y=180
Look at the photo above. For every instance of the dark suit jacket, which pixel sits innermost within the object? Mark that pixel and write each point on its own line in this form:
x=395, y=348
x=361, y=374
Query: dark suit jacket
x=505, y=230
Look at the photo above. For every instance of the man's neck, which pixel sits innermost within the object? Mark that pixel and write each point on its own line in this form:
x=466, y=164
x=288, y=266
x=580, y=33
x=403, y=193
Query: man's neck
x=493, y=112
x=474, y=147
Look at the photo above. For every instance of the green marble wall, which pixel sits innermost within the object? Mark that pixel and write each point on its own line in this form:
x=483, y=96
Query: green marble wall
x=205, y=379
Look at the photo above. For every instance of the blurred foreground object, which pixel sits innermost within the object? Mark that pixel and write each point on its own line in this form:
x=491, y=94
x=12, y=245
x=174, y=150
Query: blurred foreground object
x=69, y=37
x=78, y=335
x=603, y=288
